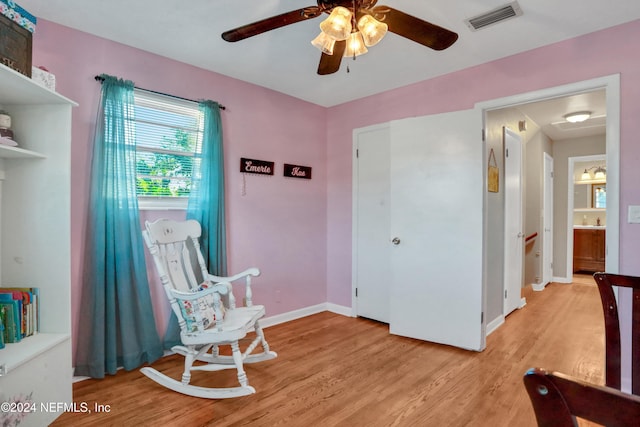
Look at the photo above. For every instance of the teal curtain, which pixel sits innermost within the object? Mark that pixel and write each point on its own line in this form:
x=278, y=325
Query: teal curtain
x=206, y=202
x=117, y=326
x=206, y=199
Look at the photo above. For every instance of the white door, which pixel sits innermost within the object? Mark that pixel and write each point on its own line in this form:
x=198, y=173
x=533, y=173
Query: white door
x=437, y=188
x=547, y=221
x=372, y=270
x=513, y=230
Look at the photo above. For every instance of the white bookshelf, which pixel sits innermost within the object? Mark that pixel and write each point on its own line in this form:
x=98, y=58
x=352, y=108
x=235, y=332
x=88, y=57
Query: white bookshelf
x=35, y=239
x=8, y=152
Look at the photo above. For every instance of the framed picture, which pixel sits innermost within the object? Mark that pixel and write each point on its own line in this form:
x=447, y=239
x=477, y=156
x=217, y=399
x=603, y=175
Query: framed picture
x=493, y=173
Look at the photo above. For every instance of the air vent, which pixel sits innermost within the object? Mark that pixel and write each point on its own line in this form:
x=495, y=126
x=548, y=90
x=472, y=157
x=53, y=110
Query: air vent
x=500, y=14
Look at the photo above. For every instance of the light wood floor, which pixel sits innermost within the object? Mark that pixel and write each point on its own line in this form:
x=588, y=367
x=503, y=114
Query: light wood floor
x=339, y=371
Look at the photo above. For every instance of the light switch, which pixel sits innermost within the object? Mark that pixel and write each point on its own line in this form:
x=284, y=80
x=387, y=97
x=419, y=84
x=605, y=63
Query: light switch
x=634, y=214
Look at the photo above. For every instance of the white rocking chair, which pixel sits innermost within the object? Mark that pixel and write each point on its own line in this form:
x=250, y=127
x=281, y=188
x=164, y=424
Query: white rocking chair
x=206, y=310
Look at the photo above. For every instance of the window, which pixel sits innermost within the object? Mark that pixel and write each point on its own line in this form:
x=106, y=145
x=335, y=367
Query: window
x=168, y=134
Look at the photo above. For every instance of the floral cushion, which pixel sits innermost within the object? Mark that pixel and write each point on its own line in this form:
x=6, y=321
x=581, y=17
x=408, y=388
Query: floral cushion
x=201, y=308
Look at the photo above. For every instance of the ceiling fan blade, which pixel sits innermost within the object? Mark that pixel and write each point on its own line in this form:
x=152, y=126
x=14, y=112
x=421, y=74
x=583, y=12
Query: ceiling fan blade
x=416, y=29
x=329, y=64
x=272, y=23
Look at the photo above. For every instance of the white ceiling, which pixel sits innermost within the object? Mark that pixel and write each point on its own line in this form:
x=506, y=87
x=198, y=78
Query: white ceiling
x=285, y=61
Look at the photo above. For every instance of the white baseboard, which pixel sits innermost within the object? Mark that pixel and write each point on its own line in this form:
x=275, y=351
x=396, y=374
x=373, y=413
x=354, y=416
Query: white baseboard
x=304, y=312
x=562, y=279
x=292, y=315
x=494, y=324
x=523, y=302
x=538, y=286
x=340, y=309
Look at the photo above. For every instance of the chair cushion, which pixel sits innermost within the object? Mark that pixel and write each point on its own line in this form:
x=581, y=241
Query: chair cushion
x=237, y=323
x=200, y=308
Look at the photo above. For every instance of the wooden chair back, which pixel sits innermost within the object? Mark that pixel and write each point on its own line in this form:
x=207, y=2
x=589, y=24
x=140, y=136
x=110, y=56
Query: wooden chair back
x=613, y=352
x=557, y=399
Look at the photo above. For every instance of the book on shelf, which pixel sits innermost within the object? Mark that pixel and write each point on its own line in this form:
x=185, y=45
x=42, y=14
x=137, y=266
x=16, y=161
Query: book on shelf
x=25, y=309
x=2, y=322
x=12, y=321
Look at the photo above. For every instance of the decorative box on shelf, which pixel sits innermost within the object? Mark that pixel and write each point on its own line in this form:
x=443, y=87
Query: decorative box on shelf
x=43, y=77
x=15, y=46
x=14, y=12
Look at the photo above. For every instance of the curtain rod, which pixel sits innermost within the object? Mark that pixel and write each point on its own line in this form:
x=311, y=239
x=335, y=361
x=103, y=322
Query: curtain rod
x=101, y=79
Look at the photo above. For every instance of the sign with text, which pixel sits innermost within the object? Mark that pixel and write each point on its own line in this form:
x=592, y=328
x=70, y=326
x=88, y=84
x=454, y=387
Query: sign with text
x=296, y=171
x=260, y=167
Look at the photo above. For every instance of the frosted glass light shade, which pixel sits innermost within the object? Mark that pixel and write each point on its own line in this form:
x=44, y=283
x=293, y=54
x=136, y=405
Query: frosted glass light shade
x=600, y=173
x=324, y=42
x=355, y=45
x=372, y=30
x=578, y=117
x=338, y=24
x=586, y=175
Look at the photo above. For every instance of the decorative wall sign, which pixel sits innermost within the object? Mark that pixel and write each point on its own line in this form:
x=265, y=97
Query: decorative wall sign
x=296, y=171
x=260, y=167
x=493, y=173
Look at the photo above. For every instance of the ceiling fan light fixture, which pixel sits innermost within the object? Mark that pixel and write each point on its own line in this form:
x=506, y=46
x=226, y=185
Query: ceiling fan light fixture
x=338, y=24
x=324, y=42
x=372, y=30
x=578, y=116
x=355, y=45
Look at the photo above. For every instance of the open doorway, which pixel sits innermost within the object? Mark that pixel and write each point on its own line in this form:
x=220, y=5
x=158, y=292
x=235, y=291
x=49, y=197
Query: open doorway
x=565, y=141
x=539, y=116
x=586, y=251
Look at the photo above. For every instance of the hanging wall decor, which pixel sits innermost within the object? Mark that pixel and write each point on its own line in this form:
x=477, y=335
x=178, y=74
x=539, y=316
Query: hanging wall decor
x=297, y=171
x=260, y=167
x=493, y=174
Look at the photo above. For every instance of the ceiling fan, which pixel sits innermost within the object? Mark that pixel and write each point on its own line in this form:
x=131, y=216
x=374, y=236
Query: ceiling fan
x=352, y=25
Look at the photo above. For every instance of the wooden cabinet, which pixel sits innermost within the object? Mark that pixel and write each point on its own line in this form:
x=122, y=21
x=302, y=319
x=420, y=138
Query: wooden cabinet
x=35, y=243
x=588, y=250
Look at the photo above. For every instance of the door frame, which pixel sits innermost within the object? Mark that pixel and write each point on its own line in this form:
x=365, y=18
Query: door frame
x=570, y=203
x=611, y=84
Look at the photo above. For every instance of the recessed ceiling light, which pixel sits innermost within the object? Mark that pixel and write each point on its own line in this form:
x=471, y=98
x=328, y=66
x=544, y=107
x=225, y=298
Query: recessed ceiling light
x=578, y=116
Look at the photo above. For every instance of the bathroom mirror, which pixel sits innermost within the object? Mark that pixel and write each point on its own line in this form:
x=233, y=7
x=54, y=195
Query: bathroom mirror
x=599, y=196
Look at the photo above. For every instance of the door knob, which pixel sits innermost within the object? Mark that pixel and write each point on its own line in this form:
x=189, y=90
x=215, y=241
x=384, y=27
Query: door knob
x=396, y=241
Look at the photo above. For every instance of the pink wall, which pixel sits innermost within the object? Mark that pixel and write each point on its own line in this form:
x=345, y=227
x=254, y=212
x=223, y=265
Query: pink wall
x=278, y=226
x=594, y=55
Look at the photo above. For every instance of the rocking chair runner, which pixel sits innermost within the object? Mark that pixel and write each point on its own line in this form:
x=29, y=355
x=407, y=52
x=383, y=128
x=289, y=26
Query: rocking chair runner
x=206, y=310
